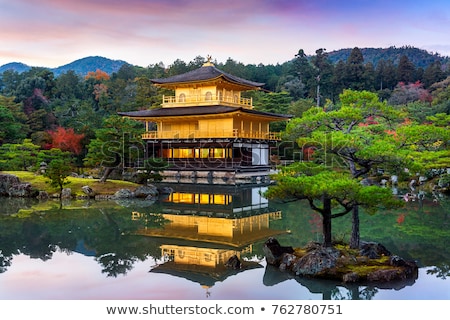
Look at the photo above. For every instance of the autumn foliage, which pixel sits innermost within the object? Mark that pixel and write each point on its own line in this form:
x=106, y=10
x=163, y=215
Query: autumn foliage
x=66, y=140
x=98, y=75
x=405, y=93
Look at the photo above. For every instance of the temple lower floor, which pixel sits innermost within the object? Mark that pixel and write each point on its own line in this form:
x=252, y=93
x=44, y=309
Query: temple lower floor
x=212, y=161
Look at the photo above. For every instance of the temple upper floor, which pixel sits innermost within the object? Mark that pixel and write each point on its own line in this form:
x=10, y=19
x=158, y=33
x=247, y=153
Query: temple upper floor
x=205, y=86
x=204, y=96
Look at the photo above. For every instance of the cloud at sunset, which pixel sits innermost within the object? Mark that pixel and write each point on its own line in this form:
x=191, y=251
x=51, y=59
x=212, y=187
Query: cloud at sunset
x=55, y=32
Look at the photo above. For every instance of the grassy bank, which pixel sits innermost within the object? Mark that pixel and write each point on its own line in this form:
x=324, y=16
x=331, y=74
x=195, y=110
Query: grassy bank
x=40, y=182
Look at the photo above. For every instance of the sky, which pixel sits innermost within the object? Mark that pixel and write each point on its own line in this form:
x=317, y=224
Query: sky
x=52, y=33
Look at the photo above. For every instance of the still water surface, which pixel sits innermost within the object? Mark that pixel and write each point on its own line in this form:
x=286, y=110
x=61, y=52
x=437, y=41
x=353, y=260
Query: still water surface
x=175, y=248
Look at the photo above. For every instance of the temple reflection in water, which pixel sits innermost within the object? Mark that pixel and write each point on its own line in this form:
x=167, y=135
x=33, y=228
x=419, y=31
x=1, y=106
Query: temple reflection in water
x=206, y=225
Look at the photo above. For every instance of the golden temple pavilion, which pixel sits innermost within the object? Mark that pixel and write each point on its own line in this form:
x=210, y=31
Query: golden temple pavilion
x=207, y=131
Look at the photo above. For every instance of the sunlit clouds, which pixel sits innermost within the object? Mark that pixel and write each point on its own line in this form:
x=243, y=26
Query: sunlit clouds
x=55, y=32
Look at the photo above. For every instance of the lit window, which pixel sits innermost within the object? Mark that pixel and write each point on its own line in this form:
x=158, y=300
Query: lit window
x=204, y=153
x=219, y=153
x=219, y=199
x=204, y=198
x=182, y=197
x=186, y=153
x=183, y=153
x=167, y=153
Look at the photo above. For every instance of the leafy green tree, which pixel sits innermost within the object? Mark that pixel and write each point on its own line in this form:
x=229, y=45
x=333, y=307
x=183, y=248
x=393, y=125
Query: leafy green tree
x=81, y=115
x=339, y=78
x=440, y=120
x=354, y=70
x=275, y=103
x=354, y=136
x=122, y=93
x=306, y=72
x=440, y=92
x=386, y=75
x=10, y=130
x=147, y=95
x=154, y=71
x=126, y=72
x=41, y=120
x=57, y=171
x=177, y=67
x=268, y=74
x=369, y=77
x=68, y=86
x=330, y=193
x=406, y=70
x=196, y=63
x=294, y=86
x=19, y=156
x=117, y=144
x=298, y=107
x=433, y=73
x=49, y=79
x=235, y=68
x=10, y=82
x=97, y=92
x=428, y=143
x=12, y=121
x=47, y=156
x=30, y=92
x=324, y=78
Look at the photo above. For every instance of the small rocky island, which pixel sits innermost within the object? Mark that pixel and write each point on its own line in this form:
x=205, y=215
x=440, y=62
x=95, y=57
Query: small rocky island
x=372, y=262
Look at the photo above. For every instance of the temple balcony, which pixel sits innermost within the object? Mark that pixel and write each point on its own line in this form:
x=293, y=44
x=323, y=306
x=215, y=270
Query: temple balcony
x=205, y=100
x=211, y=134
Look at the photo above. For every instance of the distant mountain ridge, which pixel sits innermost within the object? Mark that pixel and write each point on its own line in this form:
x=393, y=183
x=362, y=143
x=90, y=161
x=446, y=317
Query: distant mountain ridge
x=16, y=66
x=85, y=65
x=420, y=58
x=81, y=66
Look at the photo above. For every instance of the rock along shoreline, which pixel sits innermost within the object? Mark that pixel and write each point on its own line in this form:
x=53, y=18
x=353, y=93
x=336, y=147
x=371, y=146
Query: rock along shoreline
x=372, y=262
x=12, y=187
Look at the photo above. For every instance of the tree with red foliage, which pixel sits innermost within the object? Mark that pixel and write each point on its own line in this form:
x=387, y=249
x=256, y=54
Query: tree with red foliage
x=66, y=140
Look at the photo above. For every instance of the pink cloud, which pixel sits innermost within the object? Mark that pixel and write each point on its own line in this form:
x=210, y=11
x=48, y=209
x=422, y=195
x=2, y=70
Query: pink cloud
x=252, y=31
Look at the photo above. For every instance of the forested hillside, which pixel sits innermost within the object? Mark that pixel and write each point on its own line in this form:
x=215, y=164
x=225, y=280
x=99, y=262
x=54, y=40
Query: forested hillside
x=66, y=108
x=15, y=66
x=80, y=66
x=85, y=65
x=420, y=58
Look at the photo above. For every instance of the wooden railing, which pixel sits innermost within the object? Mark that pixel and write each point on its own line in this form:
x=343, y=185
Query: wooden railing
x=211, y=134
x=198, y=100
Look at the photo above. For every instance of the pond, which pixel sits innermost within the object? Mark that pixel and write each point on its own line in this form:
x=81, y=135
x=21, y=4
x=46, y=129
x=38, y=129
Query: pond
x=176, y=247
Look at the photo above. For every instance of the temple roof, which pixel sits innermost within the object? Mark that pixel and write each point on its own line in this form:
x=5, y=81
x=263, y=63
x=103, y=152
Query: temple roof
x=197, y=111
x=206, y=73
x=204, y=275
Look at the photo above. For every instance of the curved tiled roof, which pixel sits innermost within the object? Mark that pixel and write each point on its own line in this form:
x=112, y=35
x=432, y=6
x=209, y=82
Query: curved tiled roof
x=203, y=74
x=195, y=111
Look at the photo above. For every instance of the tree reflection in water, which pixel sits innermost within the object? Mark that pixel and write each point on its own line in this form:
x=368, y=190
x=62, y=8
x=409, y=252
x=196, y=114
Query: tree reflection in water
x=199, y=229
